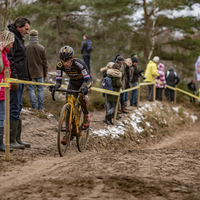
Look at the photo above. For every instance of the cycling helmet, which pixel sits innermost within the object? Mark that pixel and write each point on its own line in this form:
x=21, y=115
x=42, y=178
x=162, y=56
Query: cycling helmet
x=66, y=53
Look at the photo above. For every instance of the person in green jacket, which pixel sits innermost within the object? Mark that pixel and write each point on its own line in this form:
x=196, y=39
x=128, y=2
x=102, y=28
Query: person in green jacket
x=115, y=74
x=150, y=74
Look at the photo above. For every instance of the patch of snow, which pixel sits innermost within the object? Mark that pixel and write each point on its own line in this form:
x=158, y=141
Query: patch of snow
x=136, y=128
x=194, y=118
x=187, y=114
x=113, y=131
x=175, y=109
x=148, y=124
x=136, y=118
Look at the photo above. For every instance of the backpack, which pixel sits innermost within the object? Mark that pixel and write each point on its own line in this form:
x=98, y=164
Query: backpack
x=107, y=83
x=89, y=47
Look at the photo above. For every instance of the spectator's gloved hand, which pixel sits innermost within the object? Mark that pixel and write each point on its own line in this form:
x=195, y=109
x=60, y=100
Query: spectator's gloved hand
x=14, y=86
x=84, y=90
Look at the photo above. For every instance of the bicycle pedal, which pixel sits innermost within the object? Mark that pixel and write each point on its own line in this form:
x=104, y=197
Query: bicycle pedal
x=85, y=128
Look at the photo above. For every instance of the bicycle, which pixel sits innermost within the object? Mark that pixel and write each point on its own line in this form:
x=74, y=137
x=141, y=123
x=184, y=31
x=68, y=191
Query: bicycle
x=71, y=123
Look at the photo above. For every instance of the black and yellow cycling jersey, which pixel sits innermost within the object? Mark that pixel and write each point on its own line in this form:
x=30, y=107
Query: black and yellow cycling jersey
x=78, y=74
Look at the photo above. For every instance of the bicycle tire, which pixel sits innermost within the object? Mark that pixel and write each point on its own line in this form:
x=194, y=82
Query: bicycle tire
x=64, y=130
x=83, y=135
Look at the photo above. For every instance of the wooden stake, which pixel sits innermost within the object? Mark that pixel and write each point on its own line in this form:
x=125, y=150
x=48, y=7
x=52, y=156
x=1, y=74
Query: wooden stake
x=154, y=91
x=7, y=117
x=138, y=95
x=175, y=95
x=116, y=109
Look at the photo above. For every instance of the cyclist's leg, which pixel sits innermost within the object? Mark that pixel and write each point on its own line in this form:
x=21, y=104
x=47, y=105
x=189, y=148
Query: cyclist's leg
x=84, y=104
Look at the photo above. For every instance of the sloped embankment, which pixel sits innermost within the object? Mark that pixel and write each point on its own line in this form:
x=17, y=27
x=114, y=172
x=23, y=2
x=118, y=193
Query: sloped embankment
x=144, y=126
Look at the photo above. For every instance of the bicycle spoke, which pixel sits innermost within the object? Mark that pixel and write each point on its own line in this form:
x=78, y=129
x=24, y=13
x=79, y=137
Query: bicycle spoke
x=82, y=138
x=64, y=131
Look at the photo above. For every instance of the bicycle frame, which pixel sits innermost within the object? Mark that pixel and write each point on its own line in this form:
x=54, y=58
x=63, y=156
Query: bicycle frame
x=74, y=117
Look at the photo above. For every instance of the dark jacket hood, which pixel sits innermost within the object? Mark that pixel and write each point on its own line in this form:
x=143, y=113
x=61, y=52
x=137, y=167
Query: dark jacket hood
x=171, y=69
x=14, y=30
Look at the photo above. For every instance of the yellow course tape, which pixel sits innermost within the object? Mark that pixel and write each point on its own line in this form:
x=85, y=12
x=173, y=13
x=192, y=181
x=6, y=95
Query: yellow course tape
x=12, y=80
x=4, y=85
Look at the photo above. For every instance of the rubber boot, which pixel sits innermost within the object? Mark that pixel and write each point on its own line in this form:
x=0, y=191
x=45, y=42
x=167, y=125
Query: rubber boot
x=108, y=119
x=18, y=135
x=2, y=146
x=13, y=131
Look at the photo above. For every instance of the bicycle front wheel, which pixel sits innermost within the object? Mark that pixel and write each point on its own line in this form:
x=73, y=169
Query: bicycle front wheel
x=82, y=137
x=64, y=130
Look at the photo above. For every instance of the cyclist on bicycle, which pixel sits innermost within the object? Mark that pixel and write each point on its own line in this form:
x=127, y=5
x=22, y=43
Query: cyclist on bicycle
x=79, y=76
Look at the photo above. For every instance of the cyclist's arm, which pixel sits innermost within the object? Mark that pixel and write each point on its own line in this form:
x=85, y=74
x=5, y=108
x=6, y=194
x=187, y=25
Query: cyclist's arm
x=87, y=78
x=59, y=73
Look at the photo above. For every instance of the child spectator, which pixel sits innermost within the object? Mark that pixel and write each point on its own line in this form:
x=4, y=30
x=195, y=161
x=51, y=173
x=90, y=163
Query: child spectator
x=160, y=82
x=7, y=39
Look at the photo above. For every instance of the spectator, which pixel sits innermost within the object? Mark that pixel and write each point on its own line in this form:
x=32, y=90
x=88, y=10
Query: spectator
x=38, y=67
x=135, y=73
x=160, y=82
x=19, y=70
x=7, y=39
x=85, y=53
x=150, y=74
x=172, y=79
x=128, y=63
x=104, y=74
x=119, y=59
x=192, y=89
x=1, y=62
x=115, y=74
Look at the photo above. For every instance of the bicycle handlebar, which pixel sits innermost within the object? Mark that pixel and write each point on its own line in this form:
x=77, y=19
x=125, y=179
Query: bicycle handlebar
x=67, y=91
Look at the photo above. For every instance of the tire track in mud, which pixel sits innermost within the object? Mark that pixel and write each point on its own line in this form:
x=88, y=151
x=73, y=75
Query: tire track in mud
x=168, y=170
x=188, y=138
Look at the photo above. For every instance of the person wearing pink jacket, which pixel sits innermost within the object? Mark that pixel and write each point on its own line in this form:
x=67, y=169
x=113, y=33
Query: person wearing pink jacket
x=160, y=82
x=7, y=39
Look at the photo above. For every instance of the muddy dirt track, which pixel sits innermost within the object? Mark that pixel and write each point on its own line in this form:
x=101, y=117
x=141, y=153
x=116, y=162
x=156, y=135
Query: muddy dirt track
x=167, y=170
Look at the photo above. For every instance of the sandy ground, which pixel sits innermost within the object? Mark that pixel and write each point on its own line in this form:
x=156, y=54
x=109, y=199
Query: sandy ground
x=169, y=169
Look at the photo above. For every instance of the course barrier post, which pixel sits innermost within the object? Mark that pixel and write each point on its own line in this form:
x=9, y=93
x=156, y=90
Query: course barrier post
x=138, y=96
x=154, y=91
x=116, y=110
x=175, y=95
x=7, y=117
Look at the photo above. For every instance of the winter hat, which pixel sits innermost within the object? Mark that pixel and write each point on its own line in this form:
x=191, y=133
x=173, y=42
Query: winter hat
x=120, y=58
x=33, y=32
x=134, y=55
x=134, y=59
x=156, y=59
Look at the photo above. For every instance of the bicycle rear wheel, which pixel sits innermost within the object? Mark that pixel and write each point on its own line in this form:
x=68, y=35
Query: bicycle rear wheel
x=82, y=137
x=64, y=130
